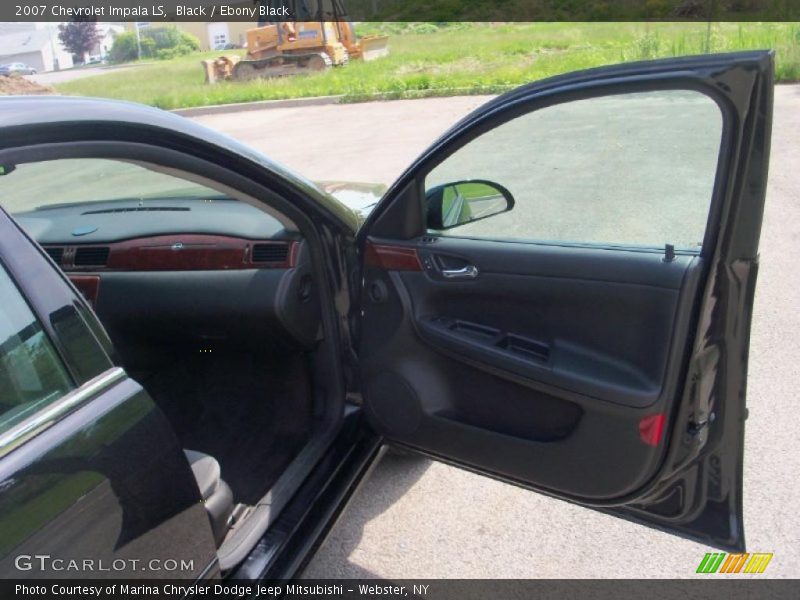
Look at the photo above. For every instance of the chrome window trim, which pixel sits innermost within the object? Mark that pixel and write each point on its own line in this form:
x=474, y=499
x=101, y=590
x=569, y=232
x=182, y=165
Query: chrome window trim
x=36, y=424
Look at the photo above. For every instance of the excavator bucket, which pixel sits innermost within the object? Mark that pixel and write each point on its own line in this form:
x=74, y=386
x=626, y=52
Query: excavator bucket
x=374, y=46
x=220, y=69
x=210, y=71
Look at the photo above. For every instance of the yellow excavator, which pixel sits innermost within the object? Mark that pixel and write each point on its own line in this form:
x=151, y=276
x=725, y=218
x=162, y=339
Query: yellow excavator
x=321, y=36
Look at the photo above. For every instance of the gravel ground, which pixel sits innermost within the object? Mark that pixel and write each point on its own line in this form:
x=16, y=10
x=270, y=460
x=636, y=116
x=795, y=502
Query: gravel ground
x=416, y=519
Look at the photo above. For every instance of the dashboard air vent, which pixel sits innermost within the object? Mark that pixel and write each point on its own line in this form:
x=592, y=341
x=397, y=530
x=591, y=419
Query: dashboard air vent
x=91, y=256
x=270, y=253
x=56, y=253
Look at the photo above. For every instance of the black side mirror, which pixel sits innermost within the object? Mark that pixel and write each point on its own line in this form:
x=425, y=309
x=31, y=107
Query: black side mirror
x=452, y=204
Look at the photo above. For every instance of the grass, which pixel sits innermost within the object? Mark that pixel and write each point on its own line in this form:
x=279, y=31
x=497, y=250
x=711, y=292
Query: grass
x=463, y=58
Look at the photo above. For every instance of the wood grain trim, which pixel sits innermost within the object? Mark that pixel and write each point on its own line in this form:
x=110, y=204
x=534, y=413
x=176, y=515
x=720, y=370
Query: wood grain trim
x=88, y=285
x=182, y=252
x=178, y=253
x=392, y=258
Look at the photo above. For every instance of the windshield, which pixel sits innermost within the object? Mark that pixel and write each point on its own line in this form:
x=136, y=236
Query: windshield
x=47, y=184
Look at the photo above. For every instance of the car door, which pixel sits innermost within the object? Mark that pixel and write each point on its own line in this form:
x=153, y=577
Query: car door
x=558, y=292
x=93, y=482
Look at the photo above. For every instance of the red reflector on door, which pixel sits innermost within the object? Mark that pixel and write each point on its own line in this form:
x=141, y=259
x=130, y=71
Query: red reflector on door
x=651, y=429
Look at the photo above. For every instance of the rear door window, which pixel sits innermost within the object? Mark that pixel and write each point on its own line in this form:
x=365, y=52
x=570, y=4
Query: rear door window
x=32, y=375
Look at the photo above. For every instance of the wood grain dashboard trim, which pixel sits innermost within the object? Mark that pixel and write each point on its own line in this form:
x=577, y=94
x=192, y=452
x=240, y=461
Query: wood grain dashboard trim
x=88, y=285
x=178, y=252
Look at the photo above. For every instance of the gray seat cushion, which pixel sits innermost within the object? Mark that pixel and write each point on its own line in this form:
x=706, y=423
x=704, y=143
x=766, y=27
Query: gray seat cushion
x=206, y=471
x=217, y=496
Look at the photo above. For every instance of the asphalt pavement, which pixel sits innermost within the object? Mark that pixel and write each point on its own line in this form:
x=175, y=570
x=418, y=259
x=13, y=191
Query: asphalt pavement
x=417, y=519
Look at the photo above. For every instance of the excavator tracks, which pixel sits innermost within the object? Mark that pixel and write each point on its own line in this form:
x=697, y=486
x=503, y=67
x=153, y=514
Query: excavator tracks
x=281, y=66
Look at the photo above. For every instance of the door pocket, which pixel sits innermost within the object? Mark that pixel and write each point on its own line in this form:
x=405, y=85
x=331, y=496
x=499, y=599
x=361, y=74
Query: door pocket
x=525, y=347
x=483, y=338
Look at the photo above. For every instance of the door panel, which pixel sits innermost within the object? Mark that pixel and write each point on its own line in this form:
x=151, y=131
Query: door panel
x=109, y=483
x=590, y=368
x=539, y=349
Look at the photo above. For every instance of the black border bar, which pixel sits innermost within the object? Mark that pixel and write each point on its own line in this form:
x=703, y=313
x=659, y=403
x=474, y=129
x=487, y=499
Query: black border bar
x=398, y=10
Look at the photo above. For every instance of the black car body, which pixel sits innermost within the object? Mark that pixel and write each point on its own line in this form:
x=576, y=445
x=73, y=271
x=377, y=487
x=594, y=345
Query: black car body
x=608, y=375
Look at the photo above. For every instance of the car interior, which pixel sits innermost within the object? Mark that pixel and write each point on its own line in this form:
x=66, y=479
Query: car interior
x=211, y=305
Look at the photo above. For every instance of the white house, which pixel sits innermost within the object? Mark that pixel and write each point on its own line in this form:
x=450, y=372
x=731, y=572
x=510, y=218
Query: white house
x=108, y=32
x=38, y=48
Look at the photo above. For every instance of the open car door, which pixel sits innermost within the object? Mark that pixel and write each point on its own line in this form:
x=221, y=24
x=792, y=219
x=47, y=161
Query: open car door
x=93, y=477
x=558, y=293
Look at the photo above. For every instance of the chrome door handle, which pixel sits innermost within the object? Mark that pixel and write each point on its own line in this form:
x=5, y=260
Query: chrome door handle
x=468, y=272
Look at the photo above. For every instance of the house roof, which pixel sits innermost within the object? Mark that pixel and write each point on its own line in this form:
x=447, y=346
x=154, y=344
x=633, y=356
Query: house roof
x=24, y=41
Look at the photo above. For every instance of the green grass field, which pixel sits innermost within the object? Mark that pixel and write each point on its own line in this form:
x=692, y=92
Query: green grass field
x=427, y=60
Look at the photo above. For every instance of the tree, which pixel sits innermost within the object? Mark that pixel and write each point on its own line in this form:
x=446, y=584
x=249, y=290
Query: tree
x=79, y=37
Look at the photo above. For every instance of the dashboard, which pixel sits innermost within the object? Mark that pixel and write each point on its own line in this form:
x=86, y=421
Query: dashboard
x=176, y=252
x=183, y=271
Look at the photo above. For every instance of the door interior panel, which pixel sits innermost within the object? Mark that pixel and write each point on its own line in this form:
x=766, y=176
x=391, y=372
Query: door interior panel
x=535, y=361
x=603, y=373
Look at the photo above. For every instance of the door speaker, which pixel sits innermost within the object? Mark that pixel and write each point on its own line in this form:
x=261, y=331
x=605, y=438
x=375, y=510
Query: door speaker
x=393, y=404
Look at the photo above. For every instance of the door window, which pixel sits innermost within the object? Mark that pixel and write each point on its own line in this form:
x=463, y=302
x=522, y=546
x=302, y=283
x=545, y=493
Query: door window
x=32, y=375
x=630, y=169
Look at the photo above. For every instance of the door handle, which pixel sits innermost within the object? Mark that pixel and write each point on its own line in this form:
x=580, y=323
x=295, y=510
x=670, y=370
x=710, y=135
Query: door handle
x=468, y=272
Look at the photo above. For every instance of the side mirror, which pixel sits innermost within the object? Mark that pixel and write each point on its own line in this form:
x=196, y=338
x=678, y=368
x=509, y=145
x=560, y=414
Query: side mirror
x=453, y=204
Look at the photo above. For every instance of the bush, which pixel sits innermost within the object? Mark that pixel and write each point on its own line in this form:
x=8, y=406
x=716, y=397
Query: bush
x=424, y=28
x=124, y=47
x=171, y=41
x=155, y=42
x=148, y=47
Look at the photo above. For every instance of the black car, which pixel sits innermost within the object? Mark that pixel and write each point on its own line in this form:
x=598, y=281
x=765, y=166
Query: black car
x=201, y=353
